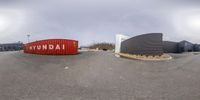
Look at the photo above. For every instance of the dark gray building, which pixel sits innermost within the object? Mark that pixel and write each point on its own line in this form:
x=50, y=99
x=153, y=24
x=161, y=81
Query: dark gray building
x=180, y=47
x=146, y=44
x=196, y=47
x=11, y=46
x=185, y=46
x=170, y=47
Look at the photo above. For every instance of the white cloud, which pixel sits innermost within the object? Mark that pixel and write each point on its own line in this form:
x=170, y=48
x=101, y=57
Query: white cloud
x=11, y=20
x=187, y=23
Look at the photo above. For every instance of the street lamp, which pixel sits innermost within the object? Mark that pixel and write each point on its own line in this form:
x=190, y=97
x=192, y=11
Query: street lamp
x=28, y=36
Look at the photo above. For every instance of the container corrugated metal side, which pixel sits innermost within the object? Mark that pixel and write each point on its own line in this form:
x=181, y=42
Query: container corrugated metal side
x=52, y=47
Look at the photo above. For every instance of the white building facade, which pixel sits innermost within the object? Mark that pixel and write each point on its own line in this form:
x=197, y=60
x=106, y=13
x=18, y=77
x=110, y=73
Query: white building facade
x=119, y=39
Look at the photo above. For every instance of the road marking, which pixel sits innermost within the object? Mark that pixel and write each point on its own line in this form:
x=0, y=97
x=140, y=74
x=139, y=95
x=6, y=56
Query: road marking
x=66, y=67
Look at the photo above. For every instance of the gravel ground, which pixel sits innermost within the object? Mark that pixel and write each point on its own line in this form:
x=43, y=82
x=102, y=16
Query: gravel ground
x=98, y=76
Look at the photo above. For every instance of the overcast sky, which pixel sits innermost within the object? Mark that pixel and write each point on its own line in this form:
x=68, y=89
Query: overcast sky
x=91, y=21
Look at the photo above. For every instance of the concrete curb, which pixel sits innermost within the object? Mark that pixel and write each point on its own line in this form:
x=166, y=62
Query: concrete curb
x=146, y=58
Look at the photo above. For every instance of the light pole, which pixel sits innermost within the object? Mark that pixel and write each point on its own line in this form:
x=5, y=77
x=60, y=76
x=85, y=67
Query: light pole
x=28, y=36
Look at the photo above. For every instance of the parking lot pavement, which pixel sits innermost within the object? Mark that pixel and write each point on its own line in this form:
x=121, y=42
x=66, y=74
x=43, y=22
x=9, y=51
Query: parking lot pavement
x=98, y=76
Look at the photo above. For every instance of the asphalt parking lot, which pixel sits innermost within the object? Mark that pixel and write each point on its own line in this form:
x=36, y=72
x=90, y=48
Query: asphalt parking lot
x=98, y=76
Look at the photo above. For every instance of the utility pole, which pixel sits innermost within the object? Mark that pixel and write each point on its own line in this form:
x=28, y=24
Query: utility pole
x=28, y=36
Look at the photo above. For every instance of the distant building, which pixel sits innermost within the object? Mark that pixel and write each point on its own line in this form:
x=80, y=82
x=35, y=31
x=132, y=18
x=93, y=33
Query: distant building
x=84, y=48
x=196, y=47
x=185, y=46
x=11, y=46
x=180, y=47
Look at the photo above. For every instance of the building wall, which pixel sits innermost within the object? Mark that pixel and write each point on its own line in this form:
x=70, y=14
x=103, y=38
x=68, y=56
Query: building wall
x=196, y=47
x=170, y=47
x=179, y=47
x=119, y=39
x=147, y=44
x=11, y=47
x=185, y=46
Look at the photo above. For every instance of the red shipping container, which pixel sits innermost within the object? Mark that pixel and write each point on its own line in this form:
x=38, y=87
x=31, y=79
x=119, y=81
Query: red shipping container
x=52, y=47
